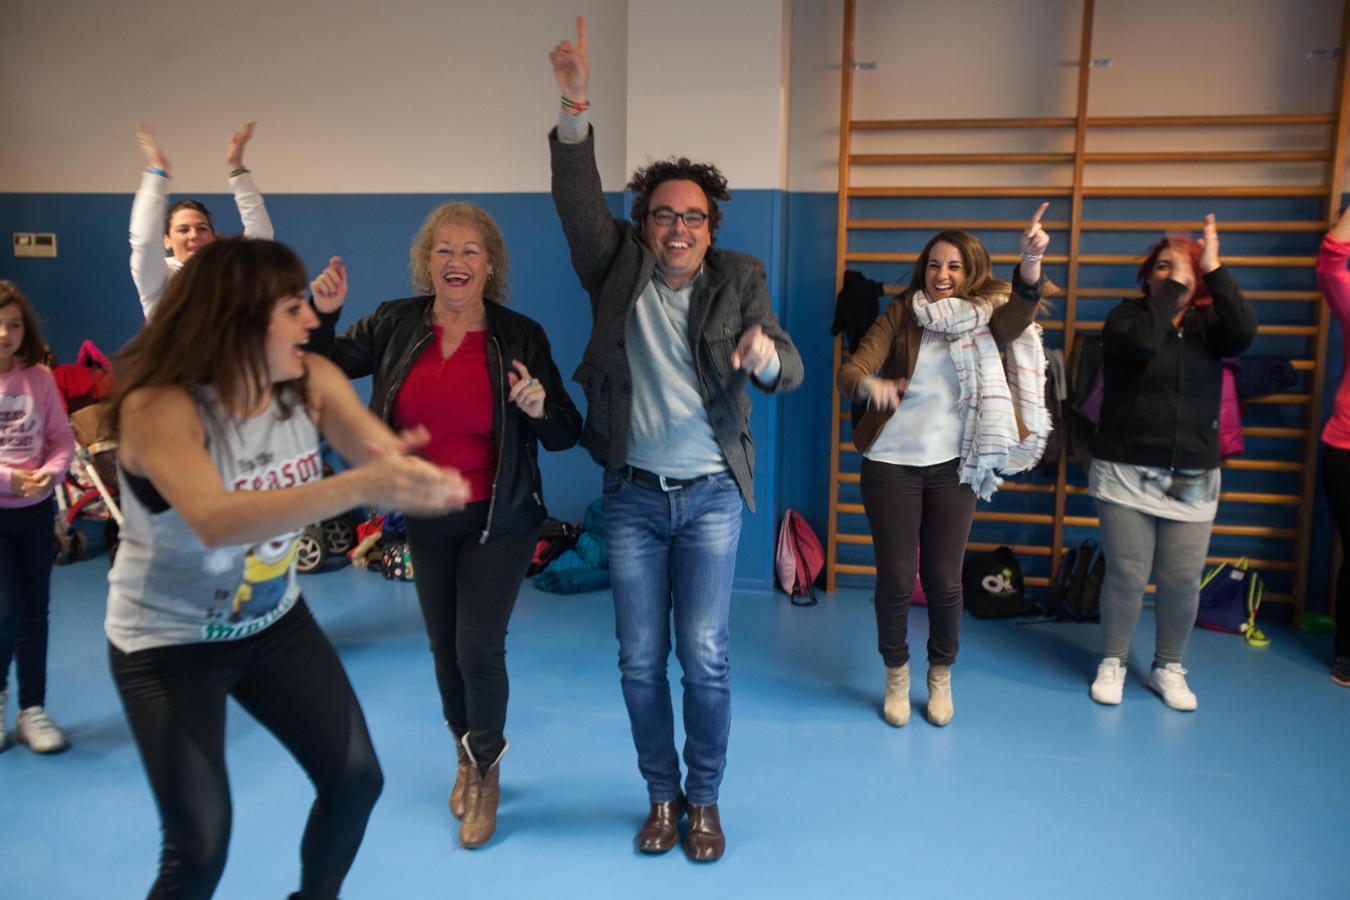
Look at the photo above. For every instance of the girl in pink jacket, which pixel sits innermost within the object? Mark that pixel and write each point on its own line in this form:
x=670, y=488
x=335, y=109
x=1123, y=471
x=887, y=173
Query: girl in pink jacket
x=36, y=446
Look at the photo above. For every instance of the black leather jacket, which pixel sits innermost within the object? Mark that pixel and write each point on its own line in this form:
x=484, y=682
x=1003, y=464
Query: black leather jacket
x=386, y=343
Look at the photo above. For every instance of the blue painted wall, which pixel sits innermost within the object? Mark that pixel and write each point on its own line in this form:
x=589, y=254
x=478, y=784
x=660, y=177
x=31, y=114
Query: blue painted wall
x=87, y=293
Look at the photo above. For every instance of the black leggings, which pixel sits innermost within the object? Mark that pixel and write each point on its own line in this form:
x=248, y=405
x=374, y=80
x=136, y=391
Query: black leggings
x=25, y=596
x=288, y=678
x=1336, y=481
x=467, y=591
x=909, y=506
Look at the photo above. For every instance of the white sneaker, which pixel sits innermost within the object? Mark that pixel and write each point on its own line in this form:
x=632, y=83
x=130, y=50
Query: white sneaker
x=36, y=729
x=1170, y=683
x=1110, y=684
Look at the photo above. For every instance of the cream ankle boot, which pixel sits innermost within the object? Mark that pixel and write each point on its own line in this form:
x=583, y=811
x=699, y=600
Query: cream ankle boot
x=940, y=694
x=896, y=705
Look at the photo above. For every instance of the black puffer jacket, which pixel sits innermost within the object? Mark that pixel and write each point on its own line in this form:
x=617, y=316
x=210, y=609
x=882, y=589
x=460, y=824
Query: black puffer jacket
x=386, y=343
x=1161, y=385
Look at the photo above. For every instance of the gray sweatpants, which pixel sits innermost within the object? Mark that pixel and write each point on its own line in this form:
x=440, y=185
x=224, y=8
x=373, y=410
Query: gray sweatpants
x=1136, y=545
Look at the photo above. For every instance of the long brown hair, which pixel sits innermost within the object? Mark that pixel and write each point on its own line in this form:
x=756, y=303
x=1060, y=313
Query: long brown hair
x=32, y=349
x=980, y=285
x=210, y=327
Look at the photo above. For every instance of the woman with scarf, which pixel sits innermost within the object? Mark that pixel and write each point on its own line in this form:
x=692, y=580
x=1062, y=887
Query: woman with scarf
x=1155, y=468
x=942, y=420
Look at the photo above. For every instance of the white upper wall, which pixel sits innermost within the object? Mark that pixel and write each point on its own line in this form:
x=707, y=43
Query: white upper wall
x=397, y=96
x=349, y=95
x=1018, y=58
x=707, y=79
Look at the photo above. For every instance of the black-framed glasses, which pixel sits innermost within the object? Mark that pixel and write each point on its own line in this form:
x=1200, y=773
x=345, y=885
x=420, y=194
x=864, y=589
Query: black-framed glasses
x=665, y=217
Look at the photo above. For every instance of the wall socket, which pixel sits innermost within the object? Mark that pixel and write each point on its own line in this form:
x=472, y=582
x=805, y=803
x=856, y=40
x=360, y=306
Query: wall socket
x=35, y=243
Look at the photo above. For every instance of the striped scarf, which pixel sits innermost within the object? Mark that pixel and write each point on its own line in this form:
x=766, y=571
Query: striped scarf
x=991, y=402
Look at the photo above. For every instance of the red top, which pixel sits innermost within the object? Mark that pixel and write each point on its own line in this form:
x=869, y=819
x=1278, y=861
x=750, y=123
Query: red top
x=453, y=399
x=1334, y=280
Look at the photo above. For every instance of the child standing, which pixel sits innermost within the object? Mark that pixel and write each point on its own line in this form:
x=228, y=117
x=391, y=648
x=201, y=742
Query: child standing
x=36, y=446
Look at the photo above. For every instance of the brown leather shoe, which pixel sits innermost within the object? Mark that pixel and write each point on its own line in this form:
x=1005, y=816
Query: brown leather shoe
x=457, y=793
x=704, y=841
x=481, y=797
x=661, y=830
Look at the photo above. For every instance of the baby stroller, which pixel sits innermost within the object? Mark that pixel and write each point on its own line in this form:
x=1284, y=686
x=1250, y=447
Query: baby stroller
x=90, y=488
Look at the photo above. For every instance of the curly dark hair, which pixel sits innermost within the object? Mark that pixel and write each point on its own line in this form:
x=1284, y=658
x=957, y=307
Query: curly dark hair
x=706, y=175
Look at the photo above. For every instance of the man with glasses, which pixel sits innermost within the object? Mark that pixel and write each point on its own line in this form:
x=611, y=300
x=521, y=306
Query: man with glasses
x=678, y=328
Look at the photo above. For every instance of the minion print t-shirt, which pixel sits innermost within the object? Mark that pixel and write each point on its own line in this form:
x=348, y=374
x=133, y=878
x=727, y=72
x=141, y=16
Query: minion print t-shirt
x=166, y=587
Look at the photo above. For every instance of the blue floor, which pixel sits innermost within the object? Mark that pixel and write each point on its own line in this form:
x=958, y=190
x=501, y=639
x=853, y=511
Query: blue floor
x=1032, y=791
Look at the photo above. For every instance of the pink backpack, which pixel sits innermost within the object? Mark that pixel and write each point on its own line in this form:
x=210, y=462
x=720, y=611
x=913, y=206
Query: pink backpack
x=799, y=559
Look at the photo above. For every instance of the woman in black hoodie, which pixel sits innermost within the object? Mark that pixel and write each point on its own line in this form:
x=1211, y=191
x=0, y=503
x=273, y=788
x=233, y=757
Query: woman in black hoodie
x=1155, y=469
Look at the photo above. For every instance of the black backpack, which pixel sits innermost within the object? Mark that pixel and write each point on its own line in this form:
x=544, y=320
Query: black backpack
x=1075, y=593
x=993, y=586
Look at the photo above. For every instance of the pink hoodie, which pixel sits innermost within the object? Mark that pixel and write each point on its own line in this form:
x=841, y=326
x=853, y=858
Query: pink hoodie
x=34, y=431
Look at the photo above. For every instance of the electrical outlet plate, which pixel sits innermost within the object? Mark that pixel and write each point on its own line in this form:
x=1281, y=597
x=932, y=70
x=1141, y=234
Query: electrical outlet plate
x=39, y=244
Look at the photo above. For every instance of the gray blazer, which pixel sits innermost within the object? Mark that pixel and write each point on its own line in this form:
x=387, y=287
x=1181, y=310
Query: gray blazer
x=614, y=266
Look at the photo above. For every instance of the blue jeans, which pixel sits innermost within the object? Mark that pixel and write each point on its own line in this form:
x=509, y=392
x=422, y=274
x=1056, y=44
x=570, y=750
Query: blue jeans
x=675, y=552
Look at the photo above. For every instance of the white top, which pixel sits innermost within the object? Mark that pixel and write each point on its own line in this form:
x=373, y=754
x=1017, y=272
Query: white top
x=150, y=268
x=1182, y=495
x=925, y=429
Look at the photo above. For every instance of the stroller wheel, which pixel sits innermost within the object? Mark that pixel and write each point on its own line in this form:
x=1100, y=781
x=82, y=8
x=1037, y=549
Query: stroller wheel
x=77, y=545
x=339, y=535
x=311, y=552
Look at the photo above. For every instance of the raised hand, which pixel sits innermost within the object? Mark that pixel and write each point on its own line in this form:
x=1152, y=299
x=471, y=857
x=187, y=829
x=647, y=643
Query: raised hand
x=1033, y=244
x=1209, y=246
x=572, y=65
x=234, y=158
x=145, y=136
x=330, y=287
x=754, y=351
x=526, y=392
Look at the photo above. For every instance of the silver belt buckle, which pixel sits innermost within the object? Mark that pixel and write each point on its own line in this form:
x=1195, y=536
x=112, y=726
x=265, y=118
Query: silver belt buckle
x=665, y=487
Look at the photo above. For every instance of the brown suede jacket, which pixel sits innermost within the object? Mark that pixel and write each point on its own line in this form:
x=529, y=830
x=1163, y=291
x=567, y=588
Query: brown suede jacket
x=891, y=347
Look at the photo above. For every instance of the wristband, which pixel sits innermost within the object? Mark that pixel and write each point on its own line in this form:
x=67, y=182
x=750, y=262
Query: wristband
x=160, y=172
x=1031, y=257
x=240, y=170
x=578, y=105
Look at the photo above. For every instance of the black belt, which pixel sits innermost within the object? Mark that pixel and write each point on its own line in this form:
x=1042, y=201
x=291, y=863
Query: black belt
x=652, y=480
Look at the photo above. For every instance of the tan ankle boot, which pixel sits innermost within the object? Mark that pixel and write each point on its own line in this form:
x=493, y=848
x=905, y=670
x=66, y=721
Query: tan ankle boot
x=461, y=787
x=940, y=694
x=481, y=797
x=896, y=705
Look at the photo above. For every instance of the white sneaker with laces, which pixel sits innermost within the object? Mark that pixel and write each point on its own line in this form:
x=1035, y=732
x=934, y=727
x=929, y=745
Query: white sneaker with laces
x=1109, y=687
x=1170, y=682
x=36, y=729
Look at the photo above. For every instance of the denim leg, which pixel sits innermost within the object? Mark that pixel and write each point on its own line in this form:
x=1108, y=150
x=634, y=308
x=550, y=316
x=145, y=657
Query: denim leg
x=702, y=565
x=637, y=524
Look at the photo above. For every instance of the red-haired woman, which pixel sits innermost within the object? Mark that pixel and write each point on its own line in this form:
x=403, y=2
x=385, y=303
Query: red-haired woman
x=1334, y=280
x=942, y=421
x=1155, y=468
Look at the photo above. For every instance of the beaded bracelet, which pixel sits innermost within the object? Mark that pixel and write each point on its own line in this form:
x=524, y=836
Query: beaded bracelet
x=1031, y=257
x=577, y=105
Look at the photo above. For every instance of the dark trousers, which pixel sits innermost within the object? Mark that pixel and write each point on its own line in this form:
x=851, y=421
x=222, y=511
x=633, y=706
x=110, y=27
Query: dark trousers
x=1336, y=481
x=289, y=678
x=908, y=507
x=26, y=546
x=467, y=591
